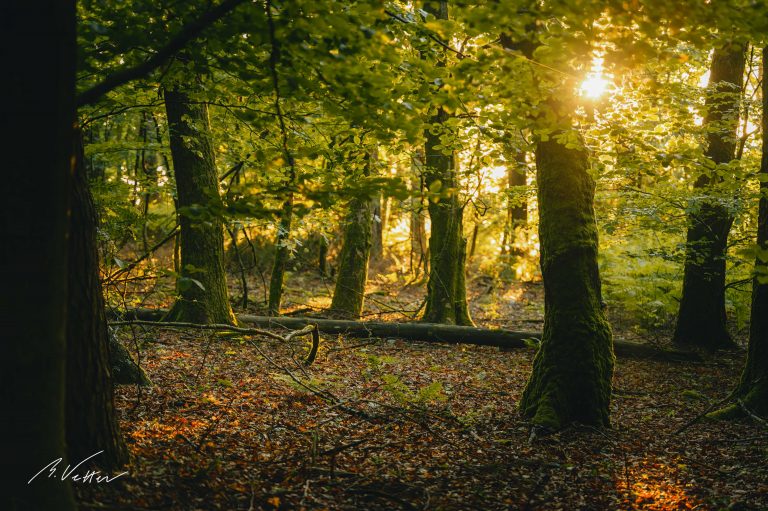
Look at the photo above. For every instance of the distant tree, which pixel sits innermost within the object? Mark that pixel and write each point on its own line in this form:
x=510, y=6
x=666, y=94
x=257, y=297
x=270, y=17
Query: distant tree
x=701, y=320
x=349, y=293
x=202, y=285
x=446, y=287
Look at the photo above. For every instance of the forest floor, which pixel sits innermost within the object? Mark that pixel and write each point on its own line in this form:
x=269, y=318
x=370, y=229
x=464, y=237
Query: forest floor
x=385, y=424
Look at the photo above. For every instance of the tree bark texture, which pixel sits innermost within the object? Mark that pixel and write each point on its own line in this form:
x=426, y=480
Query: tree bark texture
x=572, y=371
x=91, y=419
x=701, y=319
x=281, y=257
x=203, y=296
x=446, y=287
x=752, y=389
x=349, y=293
x=39, y=83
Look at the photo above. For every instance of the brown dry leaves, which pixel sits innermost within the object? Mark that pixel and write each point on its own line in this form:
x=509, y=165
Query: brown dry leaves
x=224, y=429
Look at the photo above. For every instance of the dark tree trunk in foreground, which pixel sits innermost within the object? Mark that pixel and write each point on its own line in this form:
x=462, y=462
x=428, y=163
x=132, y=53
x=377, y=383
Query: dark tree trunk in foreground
x=701, y=320
x=349, y=292
x=572, y=371
x=446, y=288
x=91, y=421
x=39, y=85
x=752, y=390
x=202, y=288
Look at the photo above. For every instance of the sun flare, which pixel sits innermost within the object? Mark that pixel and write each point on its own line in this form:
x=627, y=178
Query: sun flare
x=596, y=84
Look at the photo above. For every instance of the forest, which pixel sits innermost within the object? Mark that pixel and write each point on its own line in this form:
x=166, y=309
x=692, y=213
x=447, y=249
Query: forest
x=378, y=255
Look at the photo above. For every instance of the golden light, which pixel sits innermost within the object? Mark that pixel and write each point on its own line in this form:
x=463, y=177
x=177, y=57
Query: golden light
x=596, y=84
x=594, y=87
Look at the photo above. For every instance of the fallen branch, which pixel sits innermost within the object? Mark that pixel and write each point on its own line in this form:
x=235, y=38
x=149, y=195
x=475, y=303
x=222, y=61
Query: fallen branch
x=308, y=329
x=430, y=332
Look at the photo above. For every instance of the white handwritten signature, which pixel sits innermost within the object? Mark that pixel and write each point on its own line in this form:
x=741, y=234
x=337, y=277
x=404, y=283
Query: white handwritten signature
x=90, y=476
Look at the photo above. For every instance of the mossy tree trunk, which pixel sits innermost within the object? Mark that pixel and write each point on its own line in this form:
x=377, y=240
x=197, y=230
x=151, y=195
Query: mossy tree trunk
x=446, y=287
x=202, y=286
x=572, y=371
x=33, y=259
x=91, y=421
x=701, y=319
x=752, y=389
x=349, y=293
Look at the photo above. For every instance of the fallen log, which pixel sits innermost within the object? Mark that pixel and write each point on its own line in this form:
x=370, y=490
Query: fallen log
x=427, y=332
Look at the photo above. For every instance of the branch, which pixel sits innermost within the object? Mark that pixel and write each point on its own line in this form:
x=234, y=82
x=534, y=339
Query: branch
x=188, y=33
x=427, y=32
x=308, y=329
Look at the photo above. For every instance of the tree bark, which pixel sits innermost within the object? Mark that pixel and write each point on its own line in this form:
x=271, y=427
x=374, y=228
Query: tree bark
x=752, y=389
x=377, y=228
x=39, y=84
x=202, y=285
x=701, y=319
x=446, y=287
x=281, y=256
x=572, y=371
x=419, y=257
x=349, y=293
x=517, y=210
x=91, y=420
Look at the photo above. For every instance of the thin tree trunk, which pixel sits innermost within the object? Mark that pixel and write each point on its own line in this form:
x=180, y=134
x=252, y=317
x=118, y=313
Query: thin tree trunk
x=419, y=258
x=203, y=296
x=281, y=257
x=377, y=238
x=91, y=422
x=701, y=319
x=517, y=209
x=446, y=288
x=40, y=92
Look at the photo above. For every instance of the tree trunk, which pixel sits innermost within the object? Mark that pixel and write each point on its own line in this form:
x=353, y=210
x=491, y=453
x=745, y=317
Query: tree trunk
x=446, y=288
x=91, y=422
x=419, y=258
x=40, y=90
x=349, y=292
x=517, y=209
x=752, y=389
x=202, y=285
x=701, y=319
x=281, y=257
x=377, y=228
x=572, y=371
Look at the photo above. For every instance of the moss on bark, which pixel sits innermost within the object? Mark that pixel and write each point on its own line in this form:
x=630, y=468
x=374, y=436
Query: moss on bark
x=572, y=371
x=203, y=296
x=349, y=293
